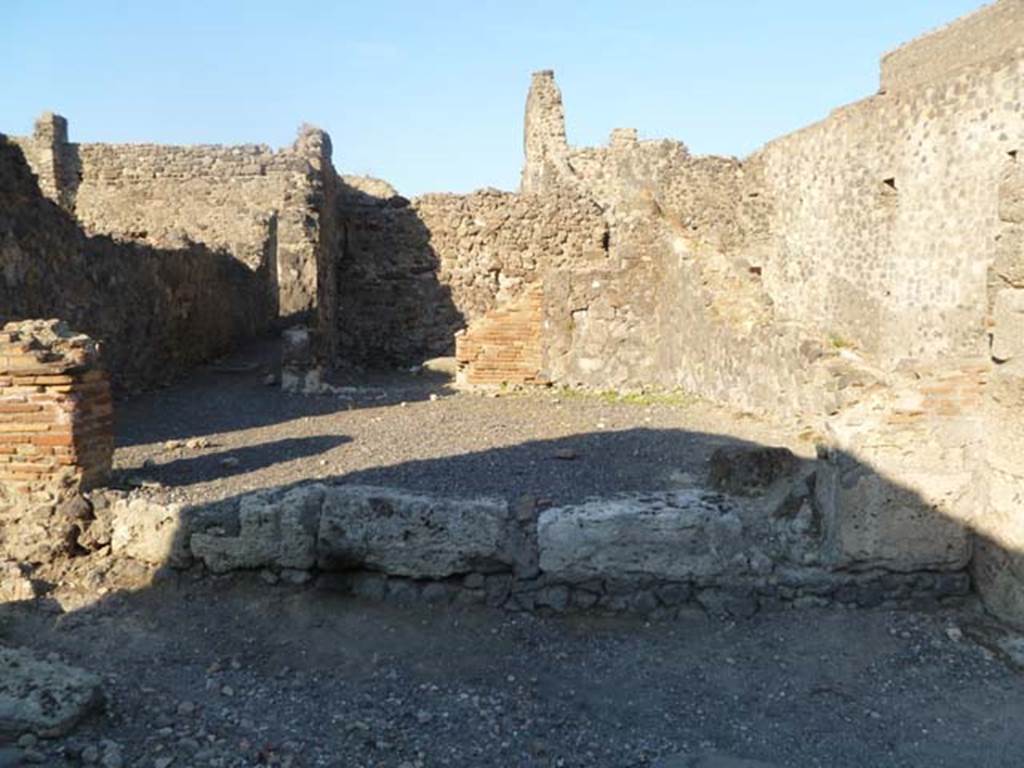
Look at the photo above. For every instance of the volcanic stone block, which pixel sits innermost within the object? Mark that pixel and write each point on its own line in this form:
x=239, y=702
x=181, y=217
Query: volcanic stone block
x=274, y=530
x=872, y=520
x=746, y=470
x=670, y=536
x=149, y=532
x=404, y=534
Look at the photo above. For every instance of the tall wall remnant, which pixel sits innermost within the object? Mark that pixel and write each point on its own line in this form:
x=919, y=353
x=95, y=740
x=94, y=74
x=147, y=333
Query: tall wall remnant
x=544, y=141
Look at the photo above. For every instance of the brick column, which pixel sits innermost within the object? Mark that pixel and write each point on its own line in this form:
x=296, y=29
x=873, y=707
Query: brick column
x=56, y=434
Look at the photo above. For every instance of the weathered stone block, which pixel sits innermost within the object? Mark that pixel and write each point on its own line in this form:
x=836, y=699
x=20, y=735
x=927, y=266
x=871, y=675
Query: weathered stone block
x=405, y=534
x=149, y=532
x=671, y=536
x=904, y=523
x=748, y=469
x=273, y=531
x=43, y=697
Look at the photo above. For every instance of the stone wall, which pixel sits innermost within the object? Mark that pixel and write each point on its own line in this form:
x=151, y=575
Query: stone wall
x=885, y=215
x=999, y=563
x=629, y=176
x=753, y=539
x=270, y=210
x=680, y=300
x=154, y=311
x=413, y=274
x=992, y=32
x=848, y=234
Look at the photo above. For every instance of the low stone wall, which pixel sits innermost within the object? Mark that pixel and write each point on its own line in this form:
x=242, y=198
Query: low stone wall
x=758, y=545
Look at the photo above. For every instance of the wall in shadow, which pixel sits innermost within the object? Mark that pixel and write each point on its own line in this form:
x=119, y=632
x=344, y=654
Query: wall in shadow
x=393, y=310
x=155, y=312
x=413, y=274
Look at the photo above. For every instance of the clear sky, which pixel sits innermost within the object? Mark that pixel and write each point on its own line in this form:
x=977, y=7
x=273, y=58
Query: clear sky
x=429, y=94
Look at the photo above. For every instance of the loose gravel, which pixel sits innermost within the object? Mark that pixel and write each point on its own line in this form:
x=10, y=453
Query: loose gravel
x=220, y=434
x=231, y=673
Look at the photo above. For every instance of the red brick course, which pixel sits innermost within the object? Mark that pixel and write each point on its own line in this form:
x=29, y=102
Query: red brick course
x=504, y=346
x=56, y=429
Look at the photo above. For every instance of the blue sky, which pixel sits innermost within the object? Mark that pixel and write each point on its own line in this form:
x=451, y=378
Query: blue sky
x=428, y=94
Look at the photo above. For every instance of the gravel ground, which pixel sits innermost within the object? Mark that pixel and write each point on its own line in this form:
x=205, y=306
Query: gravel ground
x=414, y=431
x=231, y=673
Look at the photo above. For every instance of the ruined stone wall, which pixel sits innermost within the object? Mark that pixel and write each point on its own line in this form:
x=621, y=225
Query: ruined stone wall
x=992, y=32
x=411, y=275
x=885, y=215
x=679, y=301
x=154, y=311
x=849, y=234
x=262, y=207
x=699, y=194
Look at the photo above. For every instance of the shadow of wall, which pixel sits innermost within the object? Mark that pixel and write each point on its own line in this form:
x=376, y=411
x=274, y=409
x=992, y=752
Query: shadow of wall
x=155, y=311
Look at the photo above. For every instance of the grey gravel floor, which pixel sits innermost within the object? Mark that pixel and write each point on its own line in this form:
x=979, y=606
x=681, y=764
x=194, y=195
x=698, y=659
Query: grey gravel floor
x=232, y=673
x=417, y=432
